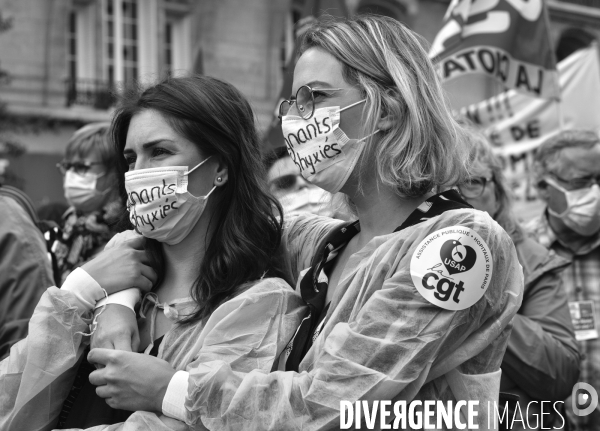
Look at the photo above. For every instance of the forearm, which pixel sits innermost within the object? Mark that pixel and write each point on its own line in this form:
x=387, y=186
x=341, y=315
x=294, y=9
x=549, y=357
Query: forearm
x=219, y=398
x=310, y=400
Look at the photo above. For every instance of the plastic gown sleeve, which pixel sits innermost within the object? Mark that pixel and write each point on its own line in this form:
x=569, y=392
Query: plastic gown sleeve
x=382, y=340
x=302, y=239
x=247, y=332
x=37, y=376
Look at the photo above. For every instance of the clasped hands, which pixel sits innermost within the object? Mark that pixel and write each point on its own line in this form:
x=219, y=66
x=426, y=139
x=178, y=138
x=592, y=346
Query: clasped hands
x=127, y=380
x=130, y=381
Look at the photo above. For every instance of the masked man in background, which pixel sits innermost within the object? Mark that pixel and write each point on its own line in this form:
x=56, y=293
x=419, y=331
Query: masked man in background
x=567, y=169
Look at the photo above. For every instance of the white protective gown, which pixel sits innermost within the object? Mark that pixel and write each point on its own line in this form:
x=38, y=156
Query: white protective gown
x=382, y=340
x=247, y=332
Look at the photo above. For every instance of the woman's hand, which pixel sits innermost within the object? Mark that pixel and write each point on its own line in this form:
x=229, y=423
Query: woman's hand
x=117, y=329
x=176, y=425
x=123, y=266
x=130, y=381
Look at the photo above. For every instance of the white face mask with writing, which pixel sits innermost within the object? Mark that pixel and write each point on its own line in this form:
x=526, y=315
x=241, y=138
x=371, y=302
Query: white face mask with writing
x=582, y=214
x=324, y=154
x=81, y=192
x=159, y=204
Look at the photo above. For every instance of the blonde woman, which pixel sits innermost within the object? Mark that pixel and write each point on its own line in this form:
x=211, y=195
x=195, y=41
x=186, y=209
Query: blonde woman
x=411, y=301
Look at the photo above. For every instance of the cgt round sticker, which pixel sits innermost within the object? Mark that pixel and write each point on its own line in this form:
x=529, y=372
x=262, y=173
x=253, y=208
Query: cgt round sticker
x=452, y=267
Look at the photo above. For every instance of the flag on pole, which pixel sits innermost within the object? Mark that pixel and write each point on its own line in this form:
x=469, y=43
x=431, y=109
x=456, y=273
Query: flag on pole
x=314, y=8
x=506, y=40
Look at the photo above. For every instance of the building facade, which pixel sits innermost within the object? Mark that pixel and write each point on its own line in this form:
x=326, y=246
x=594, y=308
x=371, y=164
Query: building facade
x=69, y=59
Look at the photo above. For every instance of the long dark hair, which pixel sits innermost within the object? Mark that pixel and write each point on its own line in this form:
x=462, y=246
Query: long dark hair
x=246, y=243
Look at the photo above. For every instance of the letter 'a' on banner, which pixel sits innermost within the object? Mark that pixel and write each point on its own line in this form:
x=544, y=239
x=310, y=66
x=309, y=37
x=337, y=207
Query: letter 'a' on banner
x=505, y=42
x=315, y=8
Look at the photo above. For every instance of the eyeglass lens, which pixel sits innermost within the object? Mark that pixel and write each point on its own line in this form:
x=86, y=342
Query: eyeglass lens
x=78, y=167
x=472, y=188
x=579, y=183
x=304, y=103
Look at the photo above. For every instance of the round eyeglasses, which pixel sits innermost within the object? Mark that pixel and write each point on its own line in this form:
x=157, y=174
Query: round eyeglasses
x=577, y=183
x=304, y=100
x=79, y=167
x=473, y=187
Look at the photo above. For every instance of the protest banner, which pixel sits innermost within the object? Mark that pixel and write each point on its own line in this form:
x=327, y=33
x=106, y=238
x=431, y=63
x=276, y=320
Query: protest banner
x=483, y=41
x=516, y=123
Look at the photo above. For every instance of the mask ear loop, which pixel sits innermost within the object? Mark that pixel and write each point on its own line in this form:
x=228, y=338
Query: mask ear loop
x=558, y=187
x=198, y=165
x=555, y=184
x=352, y=105
x=368, y=136
x=209, y=193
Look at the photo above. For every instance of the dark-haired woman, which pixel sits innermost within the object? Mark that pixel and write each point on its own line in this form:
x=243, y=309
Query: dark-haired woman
x=195, y=191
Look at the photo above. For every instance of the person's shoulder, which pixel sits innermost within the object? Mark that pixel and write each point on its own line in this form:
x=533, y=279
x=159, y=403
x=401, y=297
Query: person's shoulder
x=470, y=219
x=12, y=210
x=14, y=217
x=265, y=287
x=267, y=293
x=309, y=228
x=310, y=221
x=538, y=260
x=460, y=256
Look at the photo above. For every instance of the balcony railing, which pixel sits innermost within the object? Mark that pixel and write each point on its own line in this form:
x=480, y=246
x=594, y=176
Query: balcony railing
x=90, y=92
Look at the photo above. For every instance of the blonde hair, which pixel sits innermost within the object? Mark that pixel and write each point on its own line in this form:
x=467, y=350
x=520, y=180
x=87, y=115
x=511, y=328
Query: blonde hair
x=423, y=148
x=93, y=138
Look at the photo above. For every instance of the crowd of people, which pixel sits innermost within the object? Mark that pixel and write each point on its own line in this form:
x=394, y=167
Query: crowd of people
x=197, y=283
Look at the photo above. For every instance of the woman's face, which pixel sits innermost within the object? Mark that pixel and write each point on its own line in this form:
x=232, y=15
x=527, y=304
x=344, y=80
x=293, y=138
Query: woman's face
x=152, y=143
x=320, y=70
x=92, y=163
x=283, y=178
x=486, y=201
